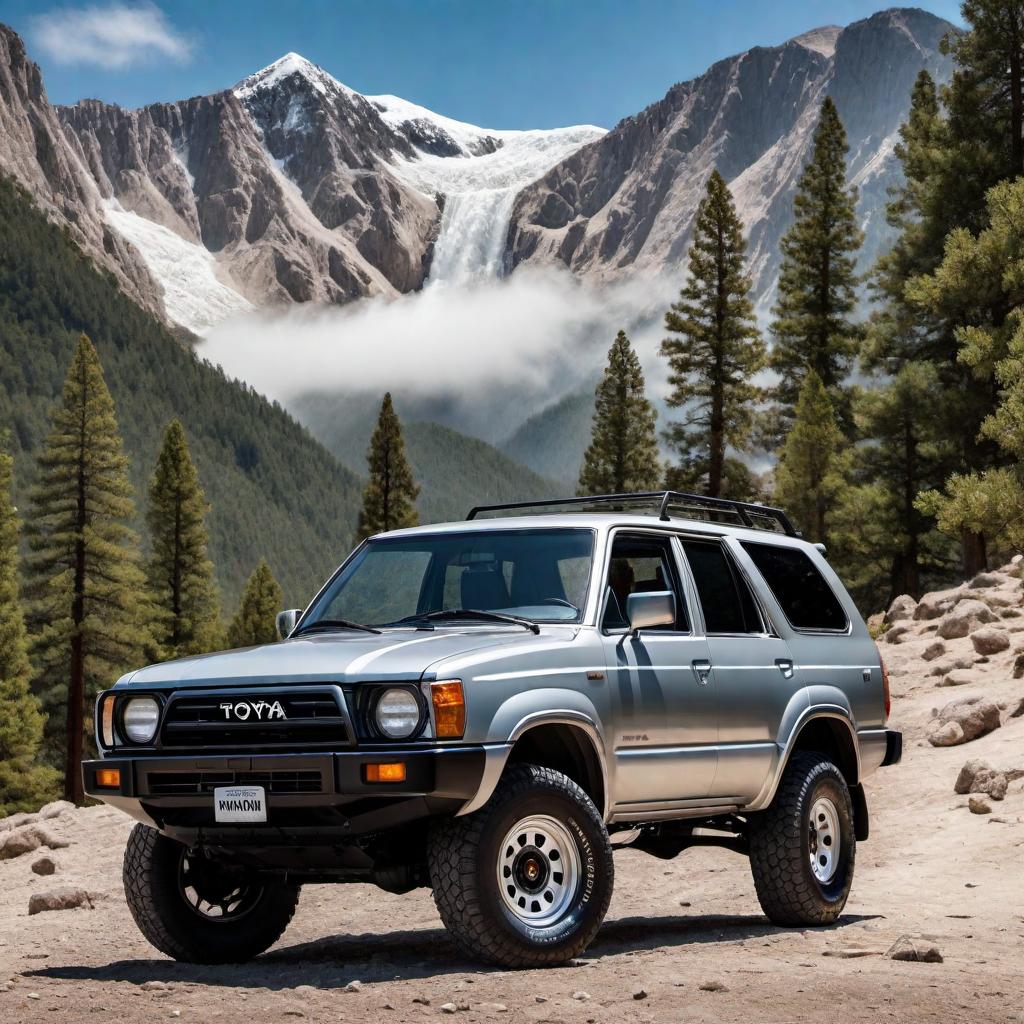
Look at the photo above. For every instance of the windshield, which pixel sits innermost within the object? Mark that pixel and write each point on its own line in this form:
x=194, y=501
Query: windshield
x=540, y=575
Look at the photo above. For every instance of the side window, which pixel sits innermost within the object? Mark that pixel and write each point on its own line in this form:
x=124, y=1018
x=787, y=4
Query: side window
x=724, y=595
x=800, y=589
x=641, y=564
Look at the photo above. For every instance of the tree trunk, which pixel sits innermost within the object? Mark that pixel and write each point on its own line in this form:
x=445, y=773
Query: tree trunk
x=975, y=556
x=73, y=786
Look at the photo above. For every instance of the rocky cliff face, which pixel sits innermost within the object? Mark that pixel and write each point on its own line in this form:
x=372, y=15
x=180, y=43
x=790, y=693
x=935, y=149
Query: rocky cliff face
x=627, y=201
x=37, y=153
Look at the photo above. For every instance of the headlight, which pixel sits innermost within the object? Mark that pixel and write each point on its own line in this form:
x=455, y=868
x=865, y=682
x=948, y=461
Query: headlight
x=397, y=713
x=139, y=719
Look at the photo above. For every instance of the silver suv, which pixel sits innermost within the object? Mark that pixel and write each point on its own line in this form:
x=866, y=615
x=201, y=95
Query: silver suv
x=491, y=708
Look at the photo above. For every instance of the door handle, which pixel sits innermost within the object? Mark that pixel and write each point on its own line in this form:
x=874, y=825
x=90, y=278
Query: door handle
x=702, y=671
x=785, y=666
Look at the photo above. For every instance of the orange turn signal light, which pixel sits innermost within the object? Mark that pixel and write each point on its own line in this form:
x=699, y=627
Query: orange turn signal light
x=108, y=778
x=449, y=709
x=390, y=772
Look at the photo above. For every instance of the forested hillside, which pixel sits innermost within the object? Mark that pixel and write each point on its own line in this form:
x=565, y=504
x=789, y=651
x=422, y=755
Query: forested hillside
x=273, y=490
x=552, y=441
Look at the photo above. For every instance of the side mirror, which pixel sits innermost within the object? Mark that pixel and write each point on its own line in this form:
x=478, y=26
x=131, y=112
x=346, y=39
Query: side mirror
x=285, y=622
x=652, y=608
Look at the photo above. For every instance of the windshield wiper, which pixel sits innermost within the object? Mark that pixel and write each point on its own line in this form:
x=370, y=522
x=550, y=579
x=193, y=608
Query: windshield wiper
x=334, y=624
x=470, y=613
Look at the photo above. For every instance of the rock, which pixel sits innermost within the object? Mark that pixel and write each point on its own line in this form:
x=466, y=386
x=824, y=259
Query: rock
x=154, y=986
x=540, y=999
x=989, y=640
x=959, y=677
x=59, y=899
x=965, y=618
x=421, y=1000
x=979, y=776
x=876, y=624
x=449, y=1008
x=712, y=986
x=937, y=603
x=55, y=809
x=934, y=650
x=354, y=986
x=985, y=579
x=897, y=633
x=850, y=953
x=902, y=607
x=1019, y=712
x=979, y=805
x=44, y=865
x=581, y=996
x=27, y=838
x=906, y=948
x=639, y=993
x=963, y=720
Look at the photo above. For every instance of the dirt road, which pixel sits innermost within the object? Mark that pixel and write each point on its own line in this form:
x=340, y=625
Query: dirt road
x=684, y=940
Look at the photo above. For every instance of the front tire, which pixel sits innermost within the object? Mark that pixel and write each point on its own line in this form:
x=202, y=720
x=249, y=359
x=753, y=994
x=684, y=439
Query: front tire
x=526, y=880
x=803, y=848
x=195, y=911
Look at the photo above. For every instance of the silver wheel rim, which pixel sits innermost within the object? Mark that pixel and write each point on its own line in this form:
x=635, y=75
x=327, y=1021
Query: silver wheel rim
x=824, y=839
x=538, y=870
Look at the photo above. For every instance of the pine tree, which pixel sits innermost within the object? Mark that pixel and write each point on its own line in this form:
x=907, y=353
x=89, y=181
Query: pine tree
x=623, y=452
x=808, y=477
x=817, y=280
x=25, y=783
x=89, y=612
x=717, y=347
x=390, y=494
x=255, y=621
x=179, y=572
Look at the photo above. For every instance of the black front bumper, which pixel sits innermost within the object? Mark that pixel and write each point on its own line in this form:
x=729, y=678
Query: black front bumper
x=311, y=798
x=893, y=748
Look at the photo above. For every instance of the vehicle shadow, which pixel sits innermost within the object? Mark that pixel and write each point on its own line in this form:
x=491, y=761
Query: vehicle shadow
x=332, y=962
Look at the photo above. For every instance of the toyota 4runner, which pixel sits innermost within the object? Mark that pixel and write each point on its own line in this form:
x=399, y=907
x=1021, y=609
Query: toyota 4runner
x=491, y=708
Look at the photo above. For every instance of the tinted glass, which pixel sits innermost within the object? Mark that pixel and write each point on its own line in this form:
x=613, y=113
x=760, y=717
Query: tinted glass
x=793, y=578
x=538, y=574
x=640, y=565
x=724, y=596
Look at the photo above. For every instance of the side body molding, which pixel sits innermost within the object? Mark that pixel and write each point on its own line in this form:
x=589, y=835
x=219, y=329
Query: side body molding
x=525, y=711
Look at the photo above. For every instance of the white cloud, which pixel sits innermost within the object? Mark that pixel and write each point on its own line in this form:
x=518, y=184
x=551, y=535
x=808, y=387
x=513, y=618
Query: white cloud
x=111, y=36
x=491, y=352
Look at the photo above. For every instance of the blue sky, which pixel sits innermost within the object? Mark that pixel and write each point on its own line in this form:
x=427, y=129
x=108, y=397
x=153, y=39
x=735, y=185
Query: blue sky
x=518, y=64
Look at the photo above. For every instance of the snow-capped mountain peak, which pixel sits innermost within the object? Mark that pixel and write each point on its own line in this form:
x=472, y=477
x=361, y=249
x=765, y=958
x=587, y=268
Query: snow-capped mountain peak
x=284, y=68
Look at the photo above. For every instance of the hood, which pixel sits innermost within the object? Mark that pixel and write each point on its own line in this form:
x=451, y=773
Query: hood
x=334, y=658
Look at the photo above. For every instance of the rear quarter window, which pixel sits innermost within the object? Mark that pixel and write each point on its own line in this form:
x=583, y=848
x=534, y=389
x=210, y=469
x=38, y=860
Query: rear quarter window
x=805, y=597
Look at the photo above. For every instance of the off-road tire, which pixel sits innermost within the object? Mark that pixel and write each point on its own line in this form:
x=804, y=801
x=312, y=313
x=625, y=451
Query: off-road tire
x=787, y=889
x=151, y=886
x=463, y=857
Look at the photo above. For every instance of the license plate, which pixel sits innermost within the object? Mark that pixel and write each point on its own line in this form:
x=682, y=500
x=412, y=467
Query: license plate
x=239, y=803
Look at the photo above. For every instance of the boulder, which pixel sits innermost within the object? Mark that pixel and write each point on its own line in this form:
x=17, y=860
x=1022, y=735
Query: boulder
x=55, y=809
x=986, y=579
x=27, y=838
x=979, y=776
x=902, y=607
x=959, y=677
x=964, y=619
x=990, y=640
x=934, y=650
x=897, y=633
x=1018, y=665
x=961, y=721
x=59, y=899
x=943, y=668
x=937, y=603
x=44, y=865
x=979, y=805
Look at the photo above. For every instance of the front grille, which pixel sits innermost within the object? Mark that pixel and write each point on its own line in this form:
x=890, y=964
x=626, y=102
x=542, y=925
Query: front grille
x=191, y=783
x=311, y=718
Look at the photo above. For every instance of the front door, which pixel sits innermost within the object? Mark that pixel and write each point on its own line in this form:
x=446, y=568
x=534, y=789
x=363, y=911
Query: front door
x=664, y=726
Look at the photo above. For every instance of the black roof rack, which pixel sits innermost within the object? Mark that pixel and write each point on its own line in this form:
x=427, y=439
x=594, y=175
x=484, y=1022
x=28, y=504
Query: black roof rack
x=667, y=504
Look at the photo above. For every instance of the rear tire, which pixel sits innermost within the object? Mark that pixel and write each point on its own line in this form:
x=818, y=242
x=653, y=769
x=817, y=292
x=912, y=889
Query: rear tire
x=195, y=911
x=526, y=880
x=803, y=848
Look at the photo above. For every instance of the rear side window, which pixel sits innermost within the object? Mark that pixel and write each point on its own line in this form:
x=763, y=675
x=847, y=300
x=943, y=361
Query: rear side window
x=724, y=595
x=793, y=578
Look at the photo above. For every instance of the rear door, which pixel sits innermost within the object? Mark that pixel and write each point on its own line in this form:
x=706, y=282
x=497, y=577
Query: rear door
x=752, y=666
x=664, y=723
